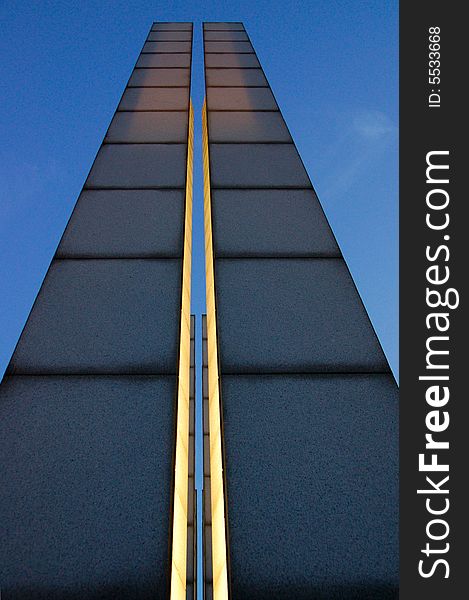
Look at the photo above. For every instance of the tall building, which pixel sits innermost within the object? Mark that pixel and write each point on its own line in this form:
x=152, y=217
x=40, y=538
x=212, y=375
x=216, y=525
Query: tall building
x=301, y=498
x=96, y=437
x=97, y=408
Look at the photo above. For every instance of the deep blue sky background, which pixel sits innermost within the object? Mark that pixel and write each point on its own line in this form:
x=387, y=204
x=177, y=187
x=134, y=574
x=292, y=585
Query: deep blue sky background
x=332, y=66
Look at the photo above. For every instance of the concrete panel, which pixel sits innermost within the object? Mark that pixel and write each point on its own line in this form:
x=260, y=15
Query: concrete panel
x=256, y=165
x=235, y=77
x=315, y=513
x=159, y=77
x=240, y=61
x=292, y=315
x=183, y=26
x=167, y=47
x=247, y=126
x=139, y=166
x=155, y=99
x=229, y=36
x=270, y=223
x=130, y=223
x=164, y=60
x=240, y=98
x=228, y=26
x=156, y=127
x=85, y=465
x=170, y=36
x=104, y=316
x=228, y=47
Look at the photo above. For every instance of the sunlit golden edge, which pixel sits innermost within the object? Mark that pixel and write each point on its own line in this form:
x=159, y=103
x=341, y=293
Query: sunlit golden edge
x=181, y=468
x=219, y=558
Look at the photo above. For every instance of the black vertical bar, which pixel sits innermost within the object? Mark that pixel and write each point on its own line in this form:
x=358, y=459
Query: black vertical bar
x=433, y=258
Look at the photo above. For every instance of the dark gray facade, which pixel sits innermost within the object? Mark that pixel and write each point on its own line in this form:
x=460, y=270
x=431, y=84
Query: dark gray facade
x=309, y=407
x=88, y=404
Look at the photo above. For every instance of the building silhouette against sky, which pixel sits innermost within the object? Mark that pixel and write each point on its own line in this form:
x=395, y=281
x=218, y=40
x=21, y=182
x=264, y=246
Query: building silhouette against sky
x=97, y=408
x=306, y=456
x=94, y=407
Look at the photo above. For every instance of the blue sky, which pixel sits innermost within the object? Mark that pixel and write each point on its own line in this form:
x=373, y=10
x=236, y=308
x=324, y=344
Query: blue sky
x=332, y=66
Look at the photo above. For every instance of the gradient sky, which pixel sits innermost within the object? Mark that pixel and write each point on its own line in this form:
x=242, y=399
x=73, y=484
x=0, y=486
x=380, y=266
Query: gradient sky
x=332, y=66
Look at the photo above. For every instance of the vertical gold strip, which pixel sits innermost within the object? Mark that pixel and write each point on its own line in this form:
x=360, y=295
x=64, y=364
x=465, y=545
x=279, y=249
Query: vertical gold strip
x=219, y=558
x=181, y=469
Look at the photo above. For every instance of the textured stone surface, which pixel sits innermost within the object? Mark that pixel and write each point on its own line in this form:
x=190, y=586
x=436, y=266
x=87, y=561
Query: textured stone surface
x=129, y=223
x=256, y=165
x=231, y=60
x=104, y=316
x=155, y=127
x=182, y=26
x=85, y=466
x=231, y=36
x=292, y=316
x=171, y=36
x=235, y=77
x=312, y=507
x=167, y=47
x=247, y=126
x=240, y=98
x=164, y=60
x=270, y=223
x=228, y=47
x=227, y=26
x=139, y=166
x=159, y=77
x=155, y=99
